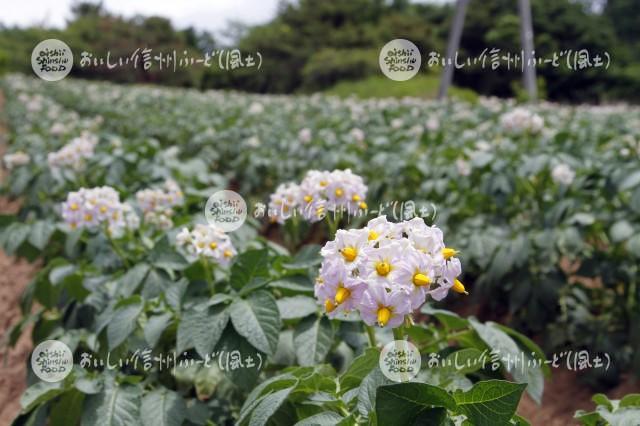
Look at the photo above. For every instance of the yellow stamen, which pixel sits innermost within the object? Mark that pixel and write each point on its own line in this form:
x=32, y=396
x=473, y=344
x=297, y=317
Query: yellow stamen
x=308, y=198
x=421, y=280
x=356, y=197
x=74, y=206
x=200, y=244
x=228, y=253
x=384, y=315
x=349, y=253
x=88, y=217
x=73, y=225
x=383, y=268
x=342, y=294
x=373, y=235
x=213, y=245
x=448, y=253
x=324, y=183
x=103, y=209
x=362, y=205
x=329, y=306
x=285, y=208
x=339, y=192
x=458, y=287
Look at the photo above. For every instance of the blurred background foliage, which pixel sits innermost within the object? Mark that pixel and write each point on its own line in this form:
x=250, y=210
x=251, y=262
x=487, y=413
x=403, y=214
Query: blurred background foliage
x=333, y=45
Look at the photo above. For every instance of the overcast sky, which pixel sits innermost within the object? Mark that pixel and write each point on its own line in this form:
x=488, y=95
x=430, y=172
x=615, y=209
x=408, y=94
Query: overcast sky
x=211, y=15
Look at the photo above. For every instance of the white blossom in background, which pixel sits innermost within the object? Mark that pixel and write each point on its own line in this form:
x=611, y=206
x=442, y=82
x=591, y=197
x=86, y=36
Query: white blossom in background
x=563, y=174
x=357, y=134
x=521, y=120
x=92, y=208
x=463, y=167
x=255, y=108
x=386, y=271
x=283, y=202
x=207, y=241
x=157, y=203
x=58, y=129
x=74, y=154
x=16, y=159
x=433, y=124
x=304, y=135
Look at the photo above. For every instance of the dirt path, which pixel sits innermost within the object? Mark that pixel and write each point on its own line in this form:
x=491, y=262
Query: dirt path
x=14, y=276
x=563, y=395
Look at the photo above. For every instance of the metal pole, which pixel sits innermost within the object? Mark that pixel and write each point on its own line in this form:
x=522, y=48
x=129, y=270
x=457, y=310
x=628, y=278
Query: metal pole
x=452, y=48
x=526, y=36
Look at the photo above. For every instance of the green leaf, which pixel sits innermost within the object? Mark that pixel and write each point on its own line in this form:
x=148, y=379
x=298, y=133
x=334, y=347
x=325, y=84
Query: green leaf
x=620, y=231
x=41, y=232
x=295, y=283
x=447, y=318
x=602, y=400
x=630, y=400
x=404, y=403
x=114, y=406
x=230, y=343
x=281, y=381
x=124, y=321
x=267, y=406
x=631, y=181
x=359, y=368
x=67, y=409
x=296, y=306
x=201, y=328
x=326, y=418
x=258, y=320
x=154, y=328
x=368, y=389
x=529, y=344
x=129, y=282
x=163, y=407
x=492, y=402
x=312, y=339
x=510, y=353
x=40, y=393
x=165, y=256
x=251, y=268
x=464, y=361
x=308, y=256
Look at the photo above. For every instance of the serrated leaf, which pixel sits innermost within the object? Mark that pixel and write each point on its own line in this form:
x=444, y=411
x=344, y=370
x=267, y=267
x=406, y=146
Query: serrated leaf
x=258, y=320
x=312, y=339
x=490, y=402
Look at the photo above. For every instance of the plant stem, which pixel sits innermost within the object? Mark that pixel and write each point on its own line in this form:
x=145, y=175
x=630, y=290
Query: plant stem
x=117, y=250
x=398, y=333
x=207, y=274
x=371, y=333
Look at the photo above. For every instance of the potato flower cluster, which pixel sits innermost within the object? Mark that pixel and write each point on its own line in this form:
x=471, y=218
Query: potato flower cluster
x=92, y=208
x=16, y=159
x=318, y=193
x=521, y=120
x=208, y=241
x=74, y=154
x=157, y=204
x=386, y=270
